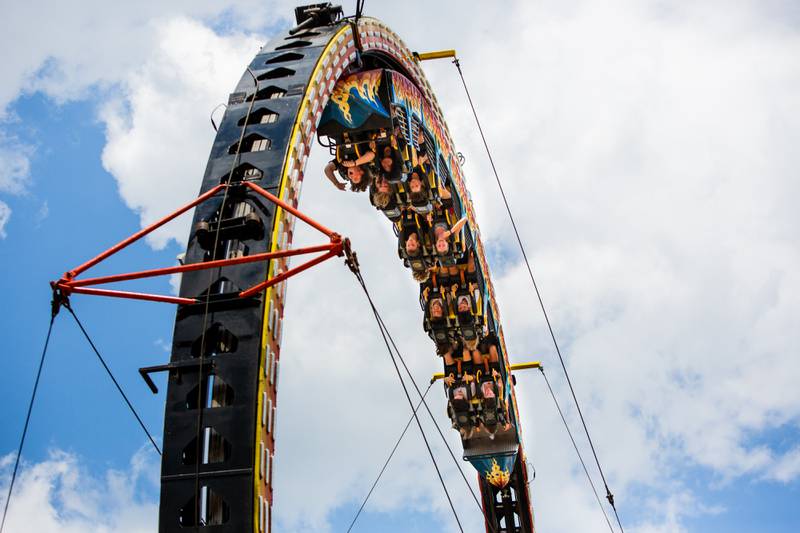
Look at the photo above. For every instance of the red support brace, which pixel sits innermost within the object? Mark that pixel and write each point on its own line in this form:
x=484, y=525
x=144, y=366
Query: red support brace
x=308, y=220
x=139, y=234
x=135, y=295
x=289, y=273
x=68, y=284
x=199, y=266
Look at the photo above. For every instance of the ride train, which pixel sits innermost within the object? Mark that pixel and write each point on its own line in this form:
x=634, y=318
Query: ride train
x=385, y=140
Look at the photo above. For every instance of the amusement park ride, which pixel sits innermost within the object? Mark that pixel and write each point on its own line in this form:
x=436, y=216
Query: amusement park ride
x=352, y=85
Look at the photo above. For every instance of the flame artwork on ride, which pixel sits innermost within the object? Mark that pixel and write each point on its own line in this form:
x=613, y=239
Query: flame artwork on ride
x=365, y=86
x=355, y=83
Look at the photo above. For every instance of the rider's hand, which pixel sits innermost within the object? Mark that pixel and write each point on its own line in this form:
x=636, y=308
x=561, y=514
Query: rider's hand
x=449, y=380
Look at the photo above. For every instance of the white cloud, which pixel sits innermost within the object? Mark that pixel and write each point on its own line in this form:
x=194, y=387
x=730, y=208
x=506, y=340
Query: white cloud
x=43, y=213
x=653, y=150
x=159, y=126
x=657, y=226
x=95, y=50
x=14, y=173
x=672, y=511
x=14, y=165
x=96, y=44
x=787, y=468
x=58, y=494
x=5, y=216
x=654, y=145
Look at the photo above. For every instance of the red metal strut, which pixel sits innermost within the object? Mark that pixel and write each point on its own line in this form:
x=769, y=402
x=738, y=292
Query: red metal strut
x=68, y=284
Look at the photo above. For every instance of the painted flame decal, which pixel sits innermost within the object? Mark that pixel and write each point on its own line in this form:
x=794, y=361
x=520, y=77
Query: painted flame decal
x=497, y=477
x=405, y=92
x=366, y=85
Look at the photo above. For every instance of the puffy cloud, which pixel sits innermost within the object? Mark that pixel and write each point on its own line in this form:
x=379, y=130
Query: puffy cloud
x=96, y=44
x=15, y=173
x=159, y=126
x=98, y=50
x=655, y=216
x=787, y=468
x=59, y=494
x=15, y=168
x=653, y=145
x=5, y=215
x=652, y=149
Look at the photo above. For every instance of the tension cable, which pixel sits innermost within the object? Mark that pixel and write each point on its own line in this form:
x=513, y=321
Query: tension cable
x=113, y=379
x=383, y=469
x=55, y=307
x=577, y=451
x=202, y=355
x=609, y=495
x=352, y=262
x=441, y=434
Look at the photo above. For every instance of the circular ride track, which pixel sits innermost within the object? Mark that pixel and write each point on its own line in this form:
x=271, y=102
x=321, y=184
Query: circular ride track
x=219, y=441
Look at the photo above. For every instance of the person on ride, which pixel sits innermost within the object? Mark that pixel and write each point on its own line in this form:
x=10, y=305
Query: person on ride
x=415, y=184
x=466, y=320
x=464, y=305
x=330, y=169
x=412, y=244
x=488, y=357
x=382, y=194
x=412, y=229
x=487, y=360
x=421, y=276
x=418, y=193
x=449, y=275
x=458, y=378
x=391, y=162
x=422, y=151
x=442, y=234
x=356, y=173
x=436, y=309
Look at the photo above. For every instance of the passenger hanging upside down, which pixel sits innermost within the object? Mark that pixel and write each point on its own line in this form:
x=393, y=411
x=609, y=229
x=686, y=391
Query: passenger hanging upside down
x=417, y=187
x=413, y=229
x=459, y=378
x=442, y=234
x=464, y=305
x=358, y=176
x=422, y=152
x=382, y=196
x=413, y=245
x=420, y=275
x=415, y=182
x=436, y=309
x=491, y=389
x=330, y=172
x=354, y=166
x=391, y=164
x=451, y=274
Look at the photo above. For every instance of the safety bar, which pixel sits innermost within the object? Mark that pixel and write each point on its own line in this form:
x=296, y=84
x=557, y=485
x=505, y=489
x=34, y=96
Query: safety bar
x=518, y=366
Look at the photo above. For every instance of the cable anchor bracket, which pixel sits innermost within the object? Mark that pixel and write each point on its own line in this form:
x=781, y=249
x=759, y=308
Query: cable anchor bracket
x=351, y=258
x=60, y=298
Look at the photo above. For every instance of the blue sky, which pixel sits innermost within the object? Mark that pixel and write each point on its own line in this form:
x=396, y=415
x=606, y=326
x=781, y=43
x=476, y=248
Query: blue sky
x=656, y=157
x=81, y=200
